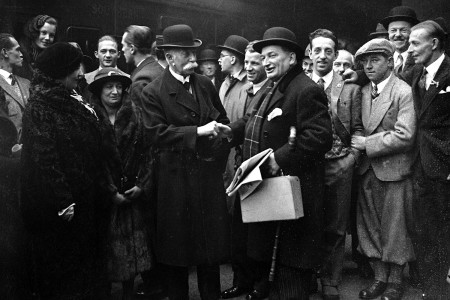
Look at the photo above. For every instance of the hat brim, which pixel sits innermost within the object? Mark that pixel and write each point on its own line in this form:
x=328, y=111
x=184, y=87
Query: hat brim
x=360, y=56
x=386, y=21
x=258, y=46
x=230, y=49
x=97, y=85
x=378, y=34
x=197, y=43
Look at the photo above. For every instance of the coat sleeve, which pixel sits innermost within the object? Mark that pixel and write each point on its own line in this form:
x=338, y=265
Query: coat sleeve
x=356, y=122
x=401, y=137
x=313, y=124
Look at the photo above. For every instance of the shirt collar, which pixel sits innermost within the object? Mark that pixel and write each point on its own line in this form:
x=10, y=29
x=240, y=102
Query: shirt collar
x=239, y=75
x=141, y=62
x=100, y=67
x=382, y=84
x=179, y=77
x=258, y=86
x=434, y=67
x=6, y=75
x=327, y=78
x=404, y=54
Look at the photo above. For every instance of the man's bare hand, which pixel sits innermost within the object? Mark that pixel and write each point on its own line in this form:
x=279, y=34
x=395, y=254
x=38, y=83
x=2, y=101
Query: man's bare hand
x=207, y=130
x=223, y=131
x=359, y=142
x=349, y=76
x=270, y=166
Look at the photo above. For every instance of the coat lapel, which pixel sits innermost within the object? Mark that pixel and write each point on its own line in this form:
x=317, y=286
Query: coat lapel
x=337, y=85
x=381, y=105
x=441, y=77
x=178, y=93
x=366, y=101
x=10, y=90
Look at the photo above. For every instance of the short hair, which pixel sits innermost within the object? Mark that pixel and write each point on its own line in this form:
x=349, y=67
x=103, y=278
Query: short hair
x=107, y=38
x=434, y=30
x=249, y=47
x=5, y=41
x=33, y=26
x=141, y=37
x=326, y=34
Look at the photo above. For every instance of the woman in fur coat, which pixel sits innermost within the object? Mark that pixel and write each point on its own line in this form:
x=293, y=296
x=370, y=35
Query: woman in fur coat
x=128, y=241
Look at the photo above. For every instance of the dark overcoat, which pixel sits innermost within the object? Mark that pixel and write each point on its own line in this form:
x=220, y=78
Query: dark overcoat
x=146, y=72
x=192, y=219
x=303, y=105
x=61, y=165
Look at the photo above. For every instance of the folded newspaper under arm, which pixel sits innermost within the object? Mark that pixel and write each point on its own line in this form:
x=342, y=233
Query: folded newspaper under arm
x=248, y=175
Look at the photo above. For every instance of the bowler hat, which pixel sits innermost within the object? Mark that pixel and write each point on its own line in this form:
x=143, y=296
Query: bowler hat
x=59, y=60
x=279, y=36
x=380, y=32
x=108, y=74
x=400, y=13
x=382, y=46
x=207, y=55
x=179, y=36
x=235, y=43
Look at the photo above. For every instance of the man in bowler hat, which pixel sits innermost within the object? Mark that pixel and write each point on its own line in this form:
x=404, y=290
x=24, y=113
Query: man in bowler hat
x=293, y=101
x=207, y=61
x=180, y=111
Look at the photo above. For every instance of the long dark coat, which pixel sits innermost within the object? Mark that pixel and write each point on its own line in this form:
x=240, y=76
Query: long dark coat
x=304, y=106
x=61, y=165
x=192, y=219
x=129, y=247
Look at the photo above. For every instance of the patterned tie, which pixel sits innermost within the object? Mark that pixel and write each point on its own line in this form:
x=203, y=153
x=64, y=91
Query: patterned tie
x=374, y=92
x=422, y=83
x=321, y=83
x=400, y=63
x=15, y=85
x=13, y=79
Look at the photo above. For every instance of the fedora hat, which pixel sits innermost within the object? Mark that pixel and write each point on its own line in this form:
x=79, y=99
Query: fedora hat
x=236, y=44
x=380, y=32
x=400, y=13
x=279, y=36
x=207, y=55
x=179, y=36
x=105, y=75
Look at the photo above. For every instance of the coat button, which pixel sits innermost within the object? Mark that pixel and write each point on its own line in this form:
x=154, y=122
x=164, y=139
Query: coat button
x=265, y=134
x=193, y=114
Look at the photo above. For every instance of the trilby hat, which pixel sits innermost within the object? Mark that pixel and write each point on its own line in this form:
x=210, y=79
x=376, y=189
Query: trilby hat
x=235, y=43
x=375, y=46
x=108, y=74
x=207, y=55
x=400, y=13
x=179, y=36
x=279, y=36
x=380, y=32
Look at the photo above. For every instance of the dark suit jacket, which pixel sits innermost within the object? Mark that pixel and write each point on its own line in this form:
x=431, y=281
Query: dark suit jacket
x=147, y=72
x=433, y=120
x=16, y=104
x=305, y=106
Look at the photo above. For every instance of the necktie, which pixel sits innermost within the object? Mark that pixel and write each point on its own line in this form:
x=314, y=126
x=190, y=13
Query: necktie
x=187, y=85
x=422, y=83
x=321, y=83
x=400, y=62
x=13, y=79
x=374, y=92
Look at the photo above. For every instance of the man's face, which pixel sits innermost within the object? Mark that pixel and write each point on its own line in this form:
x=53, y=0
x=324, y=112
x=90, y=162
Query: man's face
x=343, y=62
x=421, y=46
x=182, y=61
x=254, y=67
x=377, y=67
x=46, y=36
x=277, y=61
x=226, y=60
x=399, y=32
x=208, y=68
x=307, y=65
x=14, y=54
x=322, y=55
x=127, y=49
x=107, y=54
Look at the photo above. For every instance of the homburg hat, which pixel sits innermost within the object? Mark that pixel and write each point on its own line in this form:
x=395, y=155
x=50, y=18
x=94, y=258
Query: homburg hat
x=207, y=55
x=279, y=36
x=381, y=46
x=380, y=32
x=179, y=36
x=400, y=13
x=108, y=74
x=235, y=44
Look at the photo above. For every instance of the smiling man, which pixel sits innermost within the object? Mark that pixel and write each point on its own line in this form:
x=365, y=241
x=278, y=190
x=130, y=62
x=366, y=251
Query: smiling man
x=343, y=61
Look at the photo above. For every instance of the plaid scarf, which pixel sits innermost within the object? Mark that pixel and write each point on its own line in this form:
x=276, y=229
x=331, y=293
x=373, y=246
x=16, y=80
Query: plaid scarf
x=254, y=124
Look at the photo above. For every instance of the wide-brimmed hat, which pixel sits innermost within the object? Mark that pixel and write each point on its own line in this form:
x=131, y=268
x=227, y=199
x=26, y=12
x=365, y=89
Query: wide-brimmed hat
x=279, y=36
x=207, y=55
x=179, y=36
x=59, y=60
x=382, y=46
x=236, y=44
x=400, y=13
x=108, y=74
x=380, y=32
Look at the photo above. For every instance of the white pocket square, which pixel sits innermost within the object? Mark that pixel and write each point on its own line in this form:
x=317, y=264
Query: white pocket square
x=446, y=90
x=275, y=113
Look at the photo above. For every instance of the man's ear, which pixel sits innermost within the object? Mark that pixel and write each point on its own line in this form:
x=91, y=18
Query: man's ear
x=292, y=58
x=96, y=54
x=435, y=42
x=232, y=59
x=118, y=53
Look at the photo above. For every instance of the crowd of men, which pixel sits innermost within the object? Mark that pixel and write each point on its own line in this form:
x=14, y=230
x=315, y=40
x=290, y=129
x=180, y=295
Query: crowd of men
x=372, y=128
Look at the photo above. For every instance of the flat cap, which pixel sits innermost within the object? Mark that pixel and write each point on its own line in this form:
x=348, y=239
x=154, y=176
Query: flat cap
x=382, y=46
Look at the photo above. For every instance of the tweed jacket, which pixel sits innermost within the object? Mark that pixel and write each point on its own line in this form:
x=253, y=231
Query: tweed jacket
x=389, y=126
x=16, y=103
x=145, y=73
x=433, y=120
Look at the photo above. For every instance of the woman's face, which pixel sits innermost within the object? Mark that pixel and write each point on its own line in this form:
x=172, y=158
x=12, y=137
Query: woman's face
x=46, y=36
x=71, y=80
x=111, y=94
